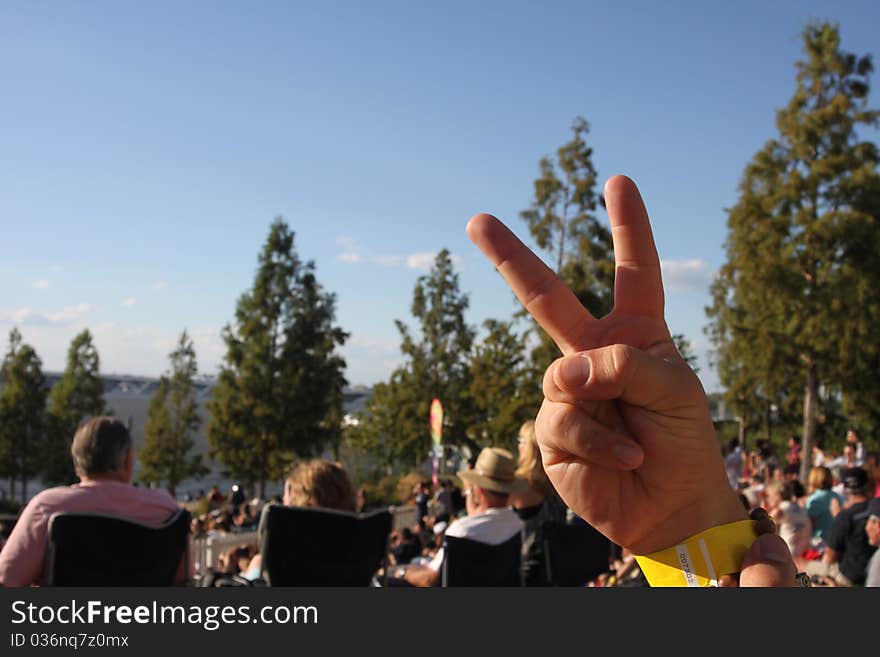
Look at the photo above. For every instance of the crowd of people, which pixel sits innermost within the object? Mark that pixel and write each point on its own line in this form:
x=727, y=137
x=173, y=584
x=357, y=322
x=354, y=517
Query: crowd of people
x=827, y=520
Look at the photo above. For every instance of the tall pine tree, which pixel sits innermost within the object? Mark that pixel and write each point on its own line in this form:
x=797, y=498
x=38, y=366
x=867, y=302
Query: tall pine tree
x=78, y=395
x=795, y=304
x=172, y=419
x=394, y=424
x=22, y=414
x=501, y=393
x=279, y=391
x=562, y=219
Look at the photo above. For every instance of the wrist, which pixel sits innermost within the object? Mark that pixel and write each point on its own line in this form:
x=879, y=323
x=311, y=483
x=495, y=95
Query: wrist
x=704, y=559
x=714, y=508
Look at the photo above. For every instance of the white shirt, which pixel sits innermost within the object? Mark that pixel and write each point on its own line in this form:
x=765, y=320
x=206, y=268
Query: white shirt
x=493, y=526
x=794, y=527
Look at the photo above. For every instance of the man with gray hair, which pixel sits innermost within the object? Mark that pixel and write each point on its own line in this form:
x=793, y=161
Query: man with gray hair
x=102, y=455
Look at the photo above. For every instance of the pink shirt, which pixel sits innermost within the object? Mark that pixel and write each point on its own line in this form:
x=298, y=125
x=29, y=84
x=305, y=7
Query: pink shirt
x=21, y=559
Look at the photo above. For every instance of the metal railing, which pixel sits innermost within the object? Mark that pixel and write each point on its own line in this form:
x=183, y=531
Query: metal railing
x=207, y=549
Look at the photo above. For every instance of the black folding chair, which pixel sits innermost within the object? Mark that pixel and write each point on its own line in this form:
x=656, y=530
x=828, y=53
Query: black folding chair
x=90, y=549
x=303, y=546
x=575, y=554
x=470, y=563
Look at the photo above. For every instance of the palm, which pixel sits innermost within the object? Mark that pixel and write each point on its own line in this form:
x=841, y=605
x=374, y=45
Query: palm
x=673, y=427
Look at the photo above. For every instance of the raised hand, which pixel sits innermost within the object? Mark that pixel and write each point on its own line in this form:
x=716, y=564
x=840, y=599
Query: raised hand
x=625, y=431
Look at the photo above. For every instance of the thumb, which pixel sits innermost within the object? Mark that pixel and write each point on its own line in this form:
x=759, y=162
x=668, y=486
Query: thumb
x=622, y=372
x=768, y=563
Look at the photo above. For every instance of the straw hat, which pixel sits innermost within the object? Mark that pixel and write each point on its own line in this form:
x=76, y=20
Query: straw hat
x=495, y=470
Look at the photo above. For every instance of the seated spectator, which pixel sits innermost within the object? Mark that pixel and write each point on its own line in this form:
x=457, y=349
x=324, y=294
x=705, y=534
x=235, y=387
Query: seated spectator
x=320, y=483
x=490, y=519
x=535, y=505
x=407, y=547
x=315, y=483
x=102, y=456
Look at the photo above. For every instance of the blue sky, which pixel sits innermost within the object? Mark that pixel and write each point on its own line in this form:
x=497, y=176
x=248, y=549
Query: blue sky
x=146, y=147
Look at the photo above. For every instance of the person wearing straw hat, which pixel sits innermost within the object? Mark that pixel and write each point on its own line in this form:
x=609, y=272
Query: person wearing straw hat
x=489, y=518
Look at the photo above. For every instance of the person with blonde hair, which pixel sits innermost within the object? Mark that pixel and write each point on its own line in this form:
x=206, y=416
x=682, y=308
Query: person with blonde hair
x=314, y=483
x=320, y=483
x=535, y=505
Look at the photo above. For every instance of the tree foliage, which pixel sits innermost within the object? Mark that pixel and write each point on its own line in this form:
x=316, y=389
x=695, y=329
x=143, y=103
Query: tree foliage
x=502, y=395
x=279, y=391
x=686, y=351
x=172, y=419
x=795, y=307
x=78, y=395
x=394, y=424
x=22, y=413
x=562, y=219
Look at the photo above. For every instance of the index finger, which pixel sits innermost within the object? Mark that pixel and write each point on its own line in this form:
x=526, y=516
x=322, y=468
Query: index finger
x=553, y=305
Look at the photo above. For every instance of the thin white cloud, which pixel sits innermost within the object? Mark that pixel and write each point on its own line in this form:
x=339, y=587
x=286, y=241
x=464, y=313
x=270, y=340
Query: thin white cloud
x=129, y=302
x=425, y=260
x=40, y=285
x=387, y=260
x=30, y=317
x=353, y=253
x=686, y=275
x=421, y=261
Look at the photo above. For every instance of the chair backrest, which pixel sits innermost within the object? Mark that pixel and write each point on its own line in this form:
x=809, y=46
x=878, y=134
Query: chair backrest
x=303, y=546
x=574, y=553
x=467, y=562
x=90, y=549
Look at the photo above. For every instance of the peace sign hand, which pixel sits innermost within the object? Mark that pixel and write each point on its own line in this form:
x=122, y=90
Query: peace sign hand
x=625, y=431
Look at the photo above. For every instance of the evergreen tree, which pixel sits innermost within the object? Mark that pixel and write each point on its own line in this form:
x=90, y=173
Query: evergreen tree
x=686, y=351
x=795, y=304
x=562, y=220
x=501, y=394
x=78, y=395
x=22, y=414
x=172, y=419
x=279, y=391
x=394, y=424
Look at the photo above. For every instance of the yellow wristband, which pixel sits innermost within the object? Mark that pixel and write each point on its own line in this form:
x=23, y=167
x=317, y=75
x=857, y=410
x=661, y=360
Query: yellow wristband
x=701, y=559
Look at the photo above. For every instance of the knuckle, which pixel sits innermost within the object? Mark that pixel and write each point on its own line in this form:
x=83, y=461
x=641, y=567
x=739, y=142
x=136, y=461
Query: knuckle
x=621, y=357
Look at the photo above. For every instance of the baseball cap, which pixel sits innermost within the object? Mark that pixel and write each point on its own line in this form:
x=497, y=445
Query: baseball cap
x=855, y=479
